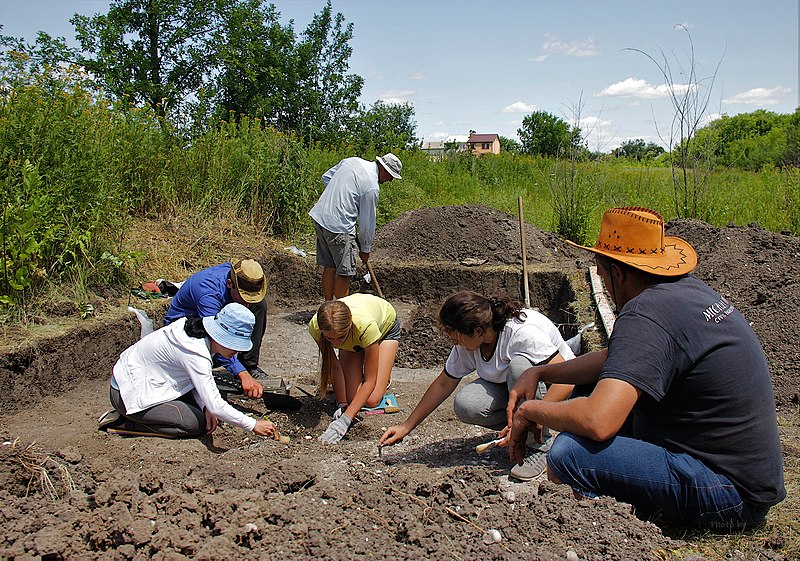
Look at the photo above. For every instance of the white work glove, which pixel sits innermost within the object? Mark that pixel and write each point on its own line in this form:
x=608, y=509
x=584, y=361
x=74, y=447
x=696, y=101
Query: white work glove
x=336, y=430
x=340, y=411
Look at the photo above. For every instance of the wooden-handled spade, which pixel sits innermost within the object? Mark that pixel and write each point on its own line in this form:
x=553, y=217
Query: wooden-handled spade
x=373, y=279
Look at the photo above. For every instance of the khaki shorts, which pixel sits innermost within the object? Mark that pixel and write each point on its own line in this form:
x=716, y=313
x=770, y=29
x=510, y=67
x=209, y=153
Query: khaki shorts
x=336, y=251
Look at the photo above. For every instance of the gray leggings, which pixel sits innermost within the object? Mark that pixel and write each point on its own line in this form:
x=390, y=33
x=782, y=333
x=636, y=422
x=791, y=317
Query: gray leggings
x=181, y=417
x=484, y=403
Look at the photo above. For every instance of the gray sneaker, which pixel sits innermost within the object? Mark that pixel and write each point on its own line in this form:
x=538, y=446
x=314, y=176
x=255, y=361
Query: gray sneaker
x=533, y=466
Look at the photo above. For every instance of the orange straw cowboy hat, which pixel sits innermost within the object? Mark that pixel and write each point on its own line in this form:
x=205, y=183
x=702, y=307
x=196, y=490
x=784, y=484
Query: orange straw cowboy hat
x=635, y=236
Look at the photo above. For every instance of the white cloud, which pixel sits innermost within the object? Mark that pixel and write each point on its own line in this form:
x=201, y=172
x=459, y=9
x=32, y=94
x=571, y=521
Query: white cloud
x=587, y=123
x=397, y=96
x=579, y=49
x=540, y=58
x=418, y=76
x=438, y=136
x=640, y=89
x=519, y=107
x=758, y=96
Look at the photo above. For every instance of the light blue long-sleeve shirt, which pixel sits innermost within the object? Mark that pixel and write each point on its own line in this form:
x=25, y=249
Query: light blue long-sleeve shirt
x=350, y=196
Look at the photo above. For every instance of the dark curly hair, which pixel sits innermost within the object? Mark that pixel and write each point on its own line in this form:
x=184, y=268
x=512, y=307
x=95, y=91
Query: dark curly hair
x=465, y=311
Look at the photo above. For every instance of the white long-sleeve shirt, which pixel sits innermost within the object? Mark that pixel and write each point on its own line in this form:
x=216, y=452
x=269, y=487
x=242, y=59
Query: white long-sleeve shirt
x=350, y=196
x=167, y=364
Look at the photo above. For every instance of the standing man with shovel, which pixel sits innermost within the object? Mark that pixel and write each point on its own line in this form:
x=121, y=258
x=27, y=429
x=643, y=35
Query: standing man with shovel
x=351, y=195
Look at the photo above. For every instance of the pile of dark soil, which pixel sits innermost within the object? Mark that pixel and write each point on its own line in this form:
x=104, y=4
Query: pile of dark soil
x=477, y=233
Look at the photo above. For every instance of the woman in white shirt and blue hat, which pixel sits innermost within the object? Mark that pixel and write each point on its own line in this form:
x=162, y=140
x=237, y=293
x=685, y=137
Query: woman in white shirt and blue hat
x=163, y=386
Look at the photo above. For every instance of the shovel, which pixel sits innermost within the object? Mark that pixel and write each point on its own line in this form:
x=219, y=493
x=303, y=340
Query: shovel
x=372, y=278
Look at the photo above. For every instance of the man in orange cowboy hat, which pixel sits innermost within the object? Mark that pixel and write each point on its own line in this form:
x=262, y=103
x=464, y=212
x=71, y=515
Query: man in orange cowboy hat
x=678, y=417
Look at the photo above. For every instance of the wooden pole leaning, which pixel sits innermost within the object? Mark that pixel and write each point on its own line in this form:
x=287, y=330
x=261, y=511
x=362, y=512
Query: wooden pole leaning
x=526, y=291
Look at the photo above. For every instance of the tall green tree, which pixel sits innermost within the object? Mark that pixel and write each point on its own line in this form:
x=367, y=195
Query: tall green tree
x=258, y=65
x=383, y=127
x=509, y=145
x=544, y=134
x=638, y=150
x=328, y=95
x=151, y=52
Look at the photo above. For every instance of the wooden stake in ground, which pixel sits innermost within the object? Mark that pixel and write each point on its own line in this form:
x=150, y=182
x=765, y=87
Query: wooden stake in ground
x=524, y=256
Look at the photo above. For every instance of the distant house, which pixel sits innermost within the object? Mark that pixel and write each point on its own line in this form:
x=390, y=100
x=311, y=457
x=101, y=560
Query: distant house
x=483, y=143
x=436, y=149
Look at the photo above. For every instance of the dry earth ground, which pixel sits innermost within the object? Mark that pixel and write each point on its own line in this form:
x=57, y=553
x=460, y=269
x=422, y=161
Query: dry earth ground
x=68, y=491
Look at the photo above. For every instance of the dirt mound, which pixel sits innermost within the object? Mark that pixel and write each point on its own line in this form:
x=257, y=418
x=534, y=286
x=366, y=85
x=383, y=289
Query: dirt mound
x=759, y=272
x=477, y=233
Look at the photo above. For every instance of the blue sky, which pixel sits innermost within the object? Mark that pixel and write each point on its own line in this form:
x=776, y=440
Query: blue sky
x=485, y=65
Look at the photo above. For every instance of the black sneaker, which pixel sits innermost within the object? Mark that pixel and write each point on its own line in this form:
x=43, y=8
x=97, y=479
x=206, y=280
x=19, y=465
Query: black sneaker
x=257, y=373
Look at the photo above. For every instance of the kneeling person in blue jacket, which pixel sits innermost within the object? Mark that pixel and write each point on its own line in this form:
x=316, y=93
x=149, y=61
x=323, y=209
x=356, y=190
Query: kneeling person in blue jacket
x=206, y=292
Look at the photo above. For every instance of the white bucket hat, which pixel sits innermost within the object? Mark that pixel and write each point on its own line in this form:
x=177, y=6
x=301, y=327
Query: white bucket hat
x=392, y=164
x=231, y=327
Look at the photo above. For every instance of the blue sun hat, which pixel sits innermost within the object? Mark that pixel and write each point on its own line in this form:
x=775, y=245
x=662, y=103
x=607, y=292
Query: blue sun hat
x=231, y=327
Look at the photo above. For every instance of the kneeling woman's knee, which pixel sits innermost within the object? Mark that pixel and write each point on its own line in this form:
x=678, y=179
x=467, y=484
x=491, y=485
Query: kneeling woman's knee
x=464, y=408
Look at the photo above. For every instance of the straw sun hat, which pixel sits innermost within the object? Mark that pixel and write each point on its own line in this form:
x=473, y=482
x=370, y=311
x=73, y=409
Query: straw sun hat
x=248, y=279
x=635, y=236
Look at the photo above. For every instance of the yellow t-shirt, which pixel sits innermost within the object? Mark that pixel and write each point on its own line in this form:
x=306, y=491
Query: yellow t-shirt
x=373, y=317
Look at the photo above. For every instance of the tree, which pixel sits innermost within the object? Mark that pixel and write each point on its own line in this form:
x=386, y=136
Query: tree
x=638, y=150
x=544, y=134
x=750, y=140
x=194, y=59
x=258, y=67
x=383, y=127
x=151, y=52
x=509, y=145
x=327, y=94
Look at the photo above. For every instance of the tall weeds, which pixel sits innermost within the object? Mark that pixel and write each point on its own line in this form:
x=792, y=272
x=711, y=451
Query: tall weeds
x=74, y=168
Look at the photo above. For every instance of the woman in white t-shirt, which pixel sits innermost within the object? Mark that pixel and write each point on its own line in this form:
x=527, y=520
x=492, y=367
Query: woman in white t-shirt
x=163, y=386
x=498, y=339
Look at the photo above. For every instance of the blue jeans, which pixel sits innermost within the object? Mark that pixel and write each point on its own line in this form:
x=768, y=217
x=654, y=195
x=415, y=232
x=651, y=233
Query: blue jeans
x=676, y=487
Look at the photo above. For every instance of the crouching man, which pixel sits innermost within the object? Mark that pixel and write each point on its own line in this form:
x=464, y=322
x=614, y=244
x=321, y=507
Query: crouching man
x=679, y=415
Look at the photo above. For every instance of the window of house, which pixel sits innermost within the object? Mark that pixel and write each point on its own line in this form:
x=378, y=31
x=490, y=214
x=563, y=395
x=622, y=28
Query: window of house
x=485, y=146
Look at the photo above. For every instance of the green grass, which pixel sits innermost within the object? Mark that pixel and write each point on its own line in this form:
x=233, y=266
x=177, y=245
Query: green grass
x=75, y=168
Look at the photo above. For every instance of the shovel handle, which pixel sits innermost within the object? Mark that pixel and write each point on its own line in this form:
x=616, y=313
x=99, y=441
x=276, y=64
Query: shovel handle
x=374, y=280
x=372, y=276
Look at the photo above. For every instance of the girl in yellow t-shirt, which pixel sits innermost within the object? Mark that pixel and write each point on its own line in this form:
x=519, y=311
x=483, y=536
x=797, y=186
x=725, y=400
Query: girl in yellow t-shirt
x=366, y=331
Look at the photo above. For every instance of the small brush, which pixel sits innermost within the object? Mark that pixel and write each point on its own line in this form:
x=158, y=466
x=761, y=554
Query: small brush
x=486, y=446
x=275, y=434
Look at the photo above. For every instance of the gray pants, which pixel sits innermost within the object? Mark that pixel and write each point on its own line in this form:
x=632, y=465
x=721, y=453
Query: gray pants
x=484, y=403
x=181, y=418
